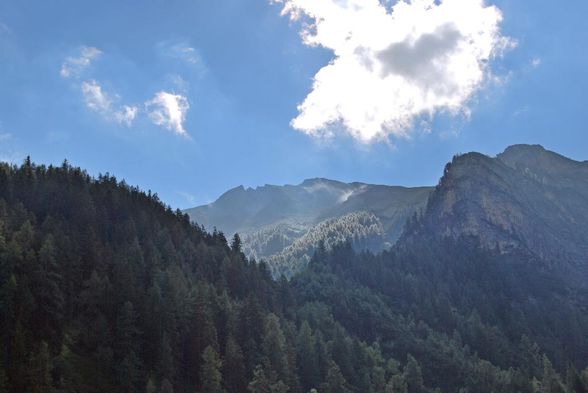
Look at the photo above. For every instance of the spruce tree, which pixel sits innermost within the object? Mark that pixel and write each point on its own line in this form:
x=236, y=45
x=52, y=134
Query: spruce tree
x=274, y=349
x=40, y=380
x=550, y=381
x=307, y=362
x=129, y=366
x=166, y=387
x=260, y=382
x=234, y=373
x=210, y=373
x=335, y=382
x=413, y=375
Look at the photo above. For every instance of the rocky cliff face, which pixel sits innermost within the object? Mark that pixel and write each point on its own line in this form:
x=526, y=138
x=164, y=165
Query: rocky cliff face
x=526, y=199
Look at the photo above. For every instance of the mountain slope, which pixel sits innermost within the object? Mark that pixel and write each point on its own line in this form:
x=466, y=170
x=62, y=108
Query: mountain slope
x=105, y=289
x=363, y=230
x=270, y=219
x=525, y=200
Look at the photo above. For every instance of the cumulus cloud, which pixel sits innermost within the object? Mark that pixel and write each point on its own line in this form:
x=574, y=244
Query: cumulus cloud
x=100, y=102
x=73, y=66
x=393, y=66
x=168, y=110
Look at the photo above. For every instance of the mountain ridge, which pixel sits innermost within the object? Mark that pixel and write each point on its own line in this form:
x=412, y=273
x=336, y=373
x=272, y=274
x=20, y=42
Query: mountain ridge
x=271, y=218
x=526, y=199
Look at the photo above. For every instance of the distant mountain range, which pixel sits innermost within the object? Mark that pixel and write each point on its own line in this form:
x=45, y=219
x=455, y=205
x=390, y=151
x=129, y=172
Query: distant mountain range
x=525, y=200
x=284, y=224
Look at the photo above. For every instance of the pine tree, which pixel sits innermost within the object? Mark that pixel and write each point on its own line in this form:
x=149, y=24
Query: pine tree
x=530, y=357
x=307, y=361
x=396, y=384
x=126, y=348
x=234, y=373
x=3, y=382
x=335, y=382
x=378, y=379
x=150, y=387
x=236, y=244
x=574, y=381
x=550, y=382
x=413, y=375
x=260, y=382
x=166, y=387
x=210, y=373
x=49, y=294
x=166, y=359
x=274, y=349
x=40, y=380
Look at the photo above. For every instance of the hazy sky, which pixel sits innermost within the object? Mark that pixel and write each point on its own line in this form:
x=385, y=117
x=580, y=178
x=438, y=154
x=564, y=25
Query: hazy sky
x=189, y=98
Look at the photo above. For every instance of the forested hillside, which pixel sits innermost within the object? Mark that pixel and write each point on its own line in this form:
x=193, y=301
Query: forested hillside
x=362, y=229
x=104, y=289
x=282, y=224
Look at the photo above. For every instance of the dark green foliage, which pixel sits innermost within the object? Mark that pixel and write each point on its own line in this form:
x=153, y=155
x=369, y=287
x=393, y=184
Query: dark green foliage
x=413, y=375
x=335, y=382
x=260, y=382
x=234, y=373
x=210, y=373
x=104, y=289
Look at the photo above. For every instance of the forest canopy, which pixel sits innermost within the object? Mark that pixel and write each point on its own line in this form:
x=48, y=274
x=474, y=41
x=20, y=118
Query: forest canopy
x=103, y=288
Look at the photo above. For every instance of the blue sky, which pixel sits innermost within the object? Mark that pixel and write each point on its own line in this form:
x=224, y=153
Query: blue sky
x=191, y=98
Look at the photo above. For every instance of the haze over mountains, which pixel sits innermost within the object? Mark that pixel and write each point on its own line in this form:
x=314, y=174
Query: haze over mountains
x=526, y=199
x=284, y=224
x=105, y=289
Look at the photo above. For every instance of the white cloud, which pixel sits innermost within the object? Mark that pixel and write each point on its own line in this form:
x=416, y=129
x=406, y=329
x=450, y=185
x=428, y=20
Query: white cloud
x=394, y=66
x=536, y=62
x=97, y=100
x=168, y=110
x=165, y=109
x=73, y=66
x=181, y=50
x=187, y=53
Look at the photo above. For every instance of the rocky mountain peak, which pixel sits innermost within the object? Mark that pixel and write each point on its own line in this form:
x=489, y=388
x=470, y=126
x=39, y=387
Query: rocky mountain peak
x=527, y=199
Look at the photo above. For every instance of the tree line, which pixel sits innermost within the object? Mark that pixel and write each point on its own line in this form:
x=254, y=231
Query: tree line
x=103, y=288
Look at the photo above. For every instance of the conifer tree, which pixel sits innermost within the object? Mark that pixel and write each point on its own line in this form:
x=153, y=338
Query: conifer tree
x=234, y=373
x=307, y=361
x=3, y=382
x=126, y=348
x=236, y=244
x=335, y=382
x=210, y=373
x=50, y=296
x=166, y=387
x=40, y=380
x=274, y=350
x=413, y=375
x=260, y=382
x=550, y=381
